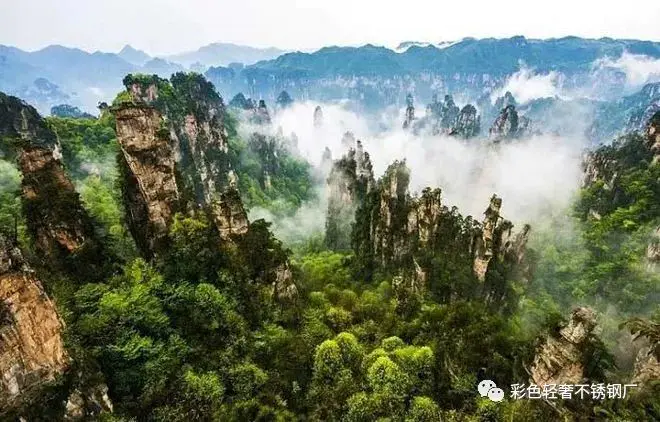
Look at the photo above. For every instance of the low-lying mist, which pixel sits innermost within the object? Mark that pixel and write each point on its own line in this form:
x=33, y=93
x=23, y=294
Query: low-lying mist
x=535, y=177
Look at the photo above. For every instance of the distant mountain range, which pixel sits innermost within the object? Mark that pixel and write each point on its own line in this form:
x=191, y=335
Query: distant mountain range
x=224, y=54
x=57, y=74
x=370, y=77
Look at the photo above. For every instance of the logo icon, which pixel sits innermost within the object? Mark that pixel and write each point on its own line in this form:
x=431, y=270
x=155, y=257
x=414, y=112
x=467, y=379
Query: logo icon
x=488, y=388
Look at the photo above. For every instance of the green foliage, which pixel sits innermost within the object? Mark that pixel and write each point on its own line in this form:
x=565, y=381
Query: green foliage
x=10, y=199
x=195, y=334
x=269, y=175
x=89, y=151
x=598, y=257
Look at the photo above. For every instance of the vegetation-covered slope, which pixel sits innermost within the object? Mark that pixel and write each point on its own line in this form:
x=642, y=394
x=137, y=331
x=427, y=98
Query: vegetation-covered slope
x=397, y=318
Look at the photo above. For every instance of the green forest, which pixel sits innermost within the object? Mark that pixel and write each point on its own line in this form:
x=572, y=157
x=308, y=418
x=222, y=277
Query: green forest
x=198, y=332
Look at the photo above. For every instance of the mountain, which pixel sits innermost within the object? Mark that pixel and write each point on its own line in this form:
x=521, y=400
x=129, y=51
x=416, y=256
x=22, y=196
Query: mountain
x=467, y=56
x=131, y=55
x=370, y=77
x=375, y=77
x=58, y=74
x=630, y=113
x=144, y=291
x=222, y=54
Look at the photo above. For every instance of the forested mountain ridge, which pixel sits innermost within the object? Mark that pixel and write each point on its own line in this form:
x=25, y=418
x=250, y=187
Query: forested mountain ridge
x=190, y=311
x=372, y=76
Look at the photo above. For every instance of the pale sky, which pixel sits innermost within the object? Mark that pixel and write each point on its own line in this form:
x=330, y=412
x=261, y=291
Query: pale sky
x=170, y=26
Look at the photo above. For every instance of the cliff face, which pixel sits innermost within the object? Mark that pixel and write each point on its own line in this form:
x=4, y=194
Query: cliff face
x=506, y=124
x=175, y=158
x=468, y=123
x=419, y=237
x=349, y=181
x=31, y=348
x=57, y=222
x=175, y=151
x=150, y=189
x=446, y=118
x=559, y=359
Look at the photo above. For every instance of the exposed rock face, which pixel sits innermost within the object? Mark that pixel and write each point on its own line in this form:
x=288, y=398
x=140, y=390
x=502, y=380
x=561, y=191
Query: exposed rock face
x=283, y=287
x=350, y=179
x=175, y=153
x=647, y=367
x=410, y=112
x=446, y=118
x=318, y=117
x=32, y=351
x=88, y=404
x=485, y=243
x=56, y=220
x=506, y=124
x=150, y=192
x=417, y=236
x=559, y=359
x=229, y=214
x=175, y=150
x=468, y=123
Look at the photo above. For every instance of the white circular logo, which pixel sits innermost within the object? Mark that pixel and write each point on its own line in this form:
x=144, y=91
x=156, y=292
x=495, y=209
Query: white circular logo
x=496, y=394
x=485, y=386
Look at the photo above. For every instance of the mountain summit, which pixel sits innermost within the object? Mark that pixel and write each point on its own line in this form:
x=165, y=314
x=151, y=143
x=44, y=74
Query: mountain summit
x=134, y=56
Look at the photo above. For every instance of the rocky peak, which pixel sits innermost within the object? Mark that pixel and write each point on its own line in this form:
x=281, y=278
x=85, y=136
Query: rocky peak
x=410, y=112
x=509, y=125
x=646, y=369
x=150, y=190
x=318, y=117
x=449, y=113
x=410, y=234
x=349, y=181
x=175, y=157
x=266, y=147
x=506, y=124
x=283, y=100
x=241, y=102
x=56, y=220
x=446, y=118
x=468, y=123
x=260, y=114
x=559, y=358
x=504, y=101
x=485, y=244
x=326, y=162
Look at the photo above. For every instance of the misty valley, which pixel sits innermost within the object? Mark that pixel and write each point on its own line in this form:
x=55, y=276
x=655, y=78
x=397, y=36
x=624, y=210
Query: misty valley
x=349, y=234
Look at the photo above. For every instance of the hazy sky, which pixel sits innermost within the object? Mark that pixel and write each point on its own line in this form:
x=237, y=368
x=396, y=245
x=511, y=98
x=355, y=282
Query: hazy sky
x=168, y=26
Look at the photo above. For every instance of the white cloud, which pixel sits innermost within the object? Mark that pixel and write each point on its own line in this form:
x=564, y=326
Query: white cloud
x=527, y=85
x=535, y=177
x=639, y=69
